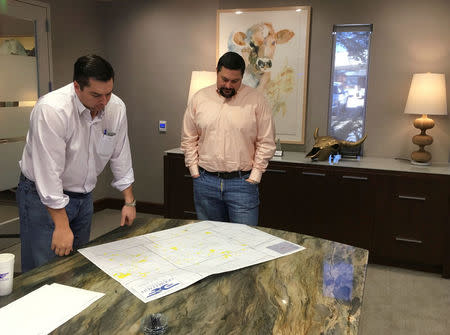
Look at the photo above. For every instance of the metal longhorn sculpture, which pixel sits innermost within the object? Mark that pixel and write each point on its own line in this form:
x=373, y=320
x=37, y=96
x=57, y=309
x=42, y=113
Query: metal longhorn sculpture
x=325, y=146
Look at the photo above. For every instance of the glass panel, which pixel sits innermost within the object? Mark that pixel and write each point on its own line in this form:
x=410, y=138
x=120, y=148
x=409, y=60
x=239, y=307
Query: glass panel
x=17, y=61
x=18, y=92
x=349, y=83
x=25, y=74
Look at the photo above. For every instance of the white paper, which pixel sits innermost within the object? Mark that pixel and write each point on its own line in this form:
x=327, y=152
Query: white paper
x=154, y=265
x=44, y=309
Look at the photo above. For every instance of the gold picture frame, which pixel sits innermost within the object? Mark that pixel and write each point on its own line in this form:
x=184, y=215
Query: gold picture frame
x=275, y=45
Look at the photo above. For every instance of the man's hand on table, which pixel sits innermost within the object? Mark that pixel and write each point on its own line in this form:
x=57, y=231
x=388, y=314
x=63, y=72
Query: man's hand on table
x=128, y=215
x=129, y=209
x=62, y=240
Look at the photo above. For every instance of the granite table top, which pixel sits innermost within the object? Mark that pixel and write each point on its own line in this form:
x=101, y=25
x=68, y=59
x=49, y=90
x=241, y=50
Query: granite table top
x=315, y=291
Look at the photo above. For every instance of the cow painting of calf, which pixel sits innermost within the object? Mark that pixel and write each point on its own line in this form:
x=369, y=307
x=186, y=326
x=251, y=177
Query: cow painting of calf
x=274, y=44
x=257, y=45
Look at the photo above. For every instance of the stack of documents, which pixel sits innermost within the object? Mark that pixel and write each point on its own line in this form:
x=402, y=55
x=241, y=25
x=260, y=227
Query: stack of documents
x=45, y=309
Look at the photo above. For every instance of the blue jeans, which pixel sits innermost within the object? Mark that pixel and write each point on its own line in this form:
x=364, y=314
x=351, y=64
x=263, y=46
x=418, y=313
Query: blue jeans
x=229, y=200
x=36, y=224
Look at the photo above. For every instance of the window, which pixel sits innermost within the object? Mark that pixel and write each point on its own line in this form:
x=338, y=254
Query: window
x=348, y=87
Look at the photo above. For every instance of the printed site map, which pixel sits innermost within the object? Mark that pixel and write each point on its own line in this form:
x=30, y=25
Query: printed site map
x=154, y=265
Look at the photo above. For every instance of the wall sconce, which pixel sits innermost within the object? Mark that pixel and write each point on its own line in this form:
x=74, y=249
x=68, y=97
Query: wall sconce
x=427, y=95
x=201, y=79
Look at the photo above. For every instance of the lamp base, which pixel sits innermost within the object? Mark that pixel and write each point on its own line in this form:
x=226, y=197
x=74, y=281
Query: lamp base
x=422, y=156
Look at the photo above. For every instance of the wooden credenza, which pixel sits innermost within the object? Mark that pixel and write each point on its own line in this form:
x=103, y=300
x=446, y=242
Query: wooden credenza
x=399, y=212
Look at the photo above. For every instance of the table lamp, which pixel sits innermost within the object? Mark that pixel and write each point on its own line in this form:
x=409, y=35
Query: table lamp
x=201, y=79
x=427, y=95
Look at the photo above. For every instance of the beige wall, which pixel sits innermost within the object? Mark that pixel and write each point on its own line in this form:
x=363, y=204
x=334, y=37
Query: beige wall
x=408, y=36
x=155, y=45
x=78, y=28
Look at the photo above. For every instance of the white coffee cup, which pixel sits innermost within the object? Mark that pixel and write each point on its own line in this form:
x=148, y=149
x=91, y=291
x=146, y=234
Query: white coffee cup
x=6, y=273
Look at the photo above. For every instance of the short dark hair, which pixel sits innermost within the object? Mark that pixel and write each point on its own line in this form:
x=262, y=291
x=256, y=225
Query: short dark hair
x=91, y=66
x=232, y=61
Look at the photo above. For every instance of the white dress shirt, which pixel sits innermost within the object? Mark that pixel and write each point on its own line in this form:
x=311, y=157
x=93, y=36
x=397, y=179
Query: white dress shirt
x=66, y=149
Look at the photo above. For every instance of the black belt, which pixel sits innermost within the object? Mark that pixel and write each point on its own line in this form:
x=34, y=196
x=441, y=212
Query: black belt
x=226, y=175
x=69, y=193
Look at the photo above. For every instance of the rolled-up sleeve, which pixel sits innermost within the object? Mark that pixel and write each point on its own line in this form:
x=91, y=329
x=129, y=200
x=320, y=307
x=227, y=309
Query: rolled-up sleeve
x=265, y=139
x=189, y=139
x=48, y=147
x=121, y=161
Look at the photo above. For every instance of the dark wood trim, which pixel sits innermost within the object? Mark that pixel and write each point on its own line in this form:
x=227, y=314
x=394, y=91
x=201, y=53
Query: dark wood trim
x=9, y=235
x=141, y=206
x=150, y=208
x=100, y=204
x=166, y=185
x=407, y=265
x=446, y=267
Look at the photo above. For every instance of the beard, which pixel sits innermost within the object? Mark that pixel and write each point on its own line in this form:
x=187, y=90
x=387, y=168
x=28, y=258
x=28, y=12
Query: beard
x=226, y=92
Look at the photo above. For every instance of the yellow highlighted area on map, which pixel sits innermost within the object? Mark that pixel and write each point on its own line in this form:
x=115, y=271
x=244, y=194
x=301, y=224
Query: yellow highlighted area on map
x=122, y=275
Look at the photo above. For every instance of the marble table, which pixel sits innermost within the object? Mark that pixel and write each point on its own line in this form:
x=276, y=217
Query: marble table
x=316, y=291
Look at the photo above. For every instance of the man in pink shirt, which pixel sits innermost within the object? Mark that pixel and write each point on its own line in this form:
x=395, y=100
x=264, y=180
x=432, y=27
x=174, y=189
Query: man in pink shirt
x=228, y=138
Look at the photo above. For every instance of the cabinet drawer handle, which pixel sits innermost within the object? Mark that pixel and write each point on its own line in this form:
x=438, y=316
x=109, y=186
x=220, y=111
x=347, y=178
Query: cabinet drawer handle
x=412, y=198
x=313, y=174
x=410, y=240
x=355, y=177
x=275, y=171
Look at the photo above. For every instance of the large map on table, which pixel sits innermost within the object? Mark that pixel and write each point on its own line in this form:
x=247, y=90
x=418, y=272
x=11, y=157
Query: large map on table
x=154, y=265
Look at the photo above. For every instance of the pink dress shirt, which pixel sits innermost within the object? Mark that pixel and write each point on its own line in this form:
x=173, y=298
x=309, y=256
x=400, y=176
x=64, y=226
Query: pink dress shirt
x=224, y=135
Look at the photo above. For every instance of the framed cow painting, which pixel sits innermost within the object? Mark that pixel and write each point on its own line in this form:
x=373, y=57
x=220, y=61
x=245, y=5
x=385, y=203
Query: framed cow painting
x=274, y=43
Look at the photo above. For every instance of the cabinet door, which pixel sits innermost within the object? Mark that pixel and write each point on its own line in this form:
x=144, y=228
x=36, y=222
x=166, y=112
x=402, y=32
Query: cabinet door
x=315, y=199
x=178, y=189
x=354, y=203
x=277, y=193
x=416, y=215
x=337, y=204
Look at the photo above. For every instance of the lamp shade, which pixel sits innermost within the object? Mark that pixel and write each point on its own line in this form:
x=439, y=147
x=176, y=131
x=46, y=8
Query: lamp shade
x=427, y=94
x=201, y=79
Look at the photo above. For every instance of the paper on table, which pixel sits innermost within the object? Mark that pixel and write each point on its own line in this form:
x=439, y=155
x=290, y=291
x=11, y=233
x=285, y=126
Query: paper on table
x=45, y=309
x=154, y=265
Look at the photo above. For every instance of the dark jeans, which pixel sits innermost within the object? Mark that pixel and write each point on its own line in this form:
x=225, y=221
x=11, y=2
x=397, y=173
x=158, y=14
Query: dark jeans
x=36, y=224
x=228, y=200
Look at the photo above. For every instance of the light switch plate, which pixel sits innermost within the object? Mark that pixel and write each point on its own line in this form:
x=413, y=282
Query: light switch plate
x=162, y=126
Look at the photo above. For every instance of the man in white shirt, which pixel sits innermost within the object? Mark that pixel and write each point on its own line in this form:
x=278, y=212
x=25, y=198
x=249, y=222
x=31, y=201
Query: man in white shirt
x=74, y=132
